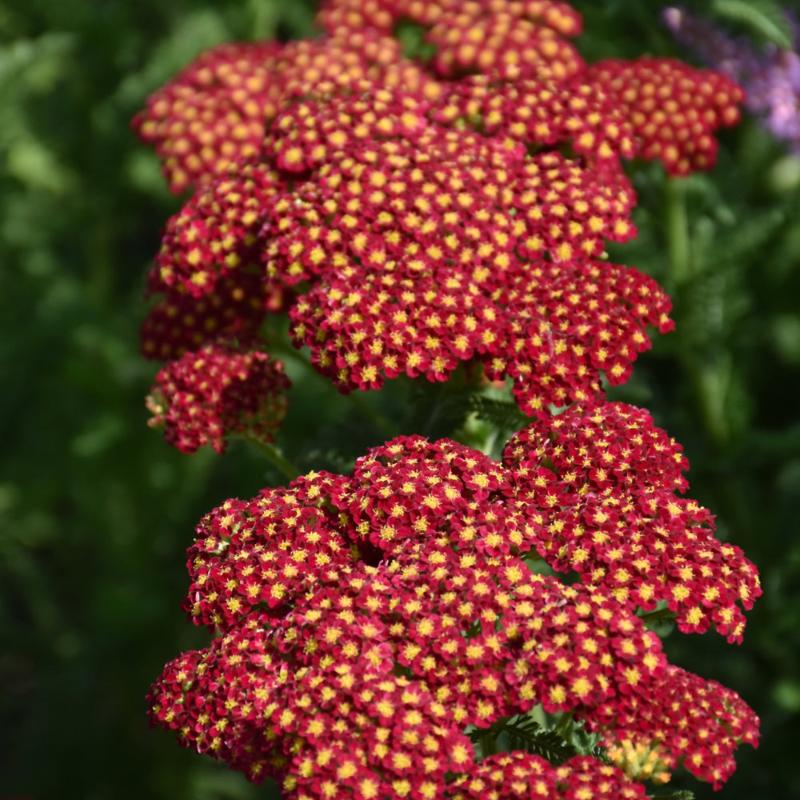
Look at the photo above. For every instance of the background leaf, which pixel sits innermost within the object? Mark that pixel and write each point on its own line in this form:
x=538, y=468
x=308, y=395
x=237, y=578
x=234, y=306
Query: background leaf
x=765, y=18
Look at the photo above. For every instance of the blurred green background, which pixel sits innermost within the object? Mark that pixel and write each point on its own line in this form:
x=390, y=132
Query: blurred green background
x=96, y=510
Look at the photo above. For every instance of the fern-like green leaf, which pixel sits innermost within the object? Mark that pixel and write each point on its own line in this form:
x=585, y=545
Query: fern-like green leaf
x=523, y=733
x=500, y=413
x=747, y=237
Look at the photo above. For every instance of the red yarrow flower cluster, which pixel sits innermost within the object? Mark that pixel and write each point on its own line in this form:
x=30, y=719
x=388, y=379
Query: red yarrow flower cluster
x=215, y=392
x=687, y=720
x=522, y=775
x=542, y=113
x=494, y=37
x=212, y=115
x=674, y=109
x=233, y=312
x=439, y=279
x=431, y=246
x=368, y=621
x=412, y=216
x=214, y=235
x=610, y=477
x=409, y=215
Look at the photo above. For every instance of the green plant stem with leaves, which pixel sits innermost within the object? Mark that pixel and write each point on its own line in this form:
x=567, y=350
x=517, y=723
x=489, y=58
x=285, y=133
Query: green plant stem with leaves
x=710, y=377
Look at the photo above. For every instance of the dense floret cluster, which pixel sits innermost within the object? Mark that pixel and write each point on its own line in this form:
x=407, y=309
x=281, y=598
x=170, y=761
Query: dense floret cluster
x=543, y=114
x=211, y=117
x=674, y=109
x=413, y=215
x=502, y=38
x=686, y=719
x=611, y=478
x=213, y=392
x=214, y=235
x=233, y=313
x=521, y=775
x=423, y=186
x=369, y=621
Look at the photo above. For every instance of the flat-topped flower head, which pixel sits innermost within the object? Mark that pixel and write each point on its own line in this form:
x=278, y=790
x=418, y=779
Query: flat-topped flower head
x=215, y=234
x=541, y=113
x=687, y=720
x=674, y=109
x=424, y=237
x=536, y=324
x=213, y=114
x=215, y=699
x=565, y=323
x=611, y=477
x=264, y=553
x=506, y=38
x=431, y=251
x=475, y=237
x=233, y=311
x=367, y=620
x=525, y=776
x=422, y=245
x=211, y=393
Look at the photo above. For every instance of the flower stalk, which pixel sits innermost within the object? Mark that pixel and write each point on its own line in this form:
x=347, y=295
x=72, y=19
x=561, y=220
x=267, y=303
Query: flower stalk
x=276, y=458
x=677, y=229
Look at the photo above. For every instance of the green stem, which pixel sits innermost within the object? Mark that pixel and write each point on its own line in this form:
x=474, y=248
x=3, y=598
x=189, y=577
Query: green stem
x=434, y=410
x=564, y=726
x=677, y=224
x=262, y=19
x=274, y=456
x=711, y=381
x=488, y=445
